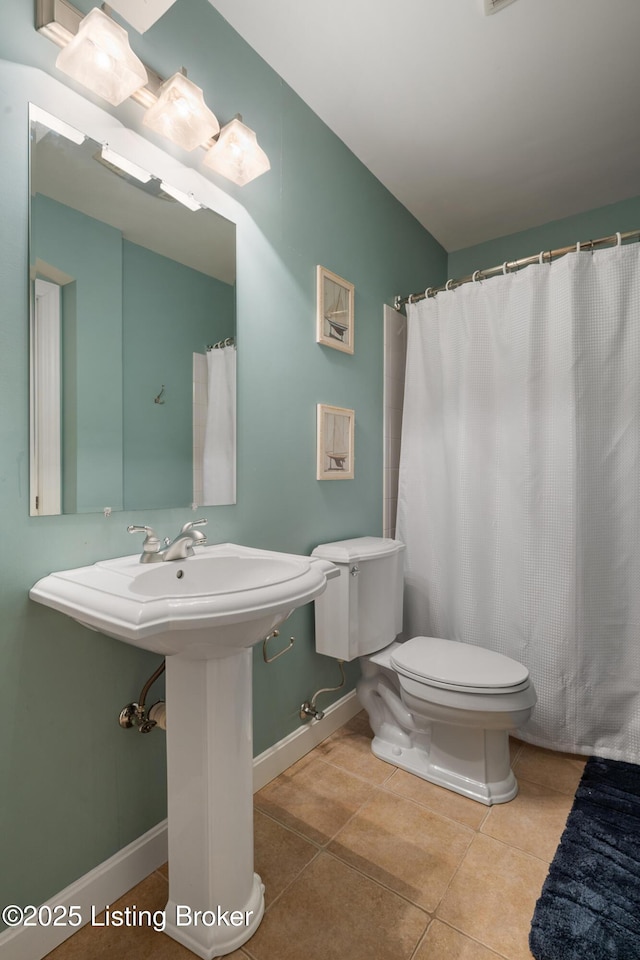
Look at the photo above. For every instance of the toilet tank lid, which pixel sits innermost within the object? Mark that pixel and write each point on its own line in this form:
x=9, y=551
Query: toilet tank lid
x=359, y=548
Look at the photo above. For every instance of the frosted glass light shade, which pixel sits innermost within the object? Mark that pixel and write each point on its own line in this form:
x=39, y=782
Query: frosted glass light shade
x=100, y=58
x=181, y=114
x=236, y=154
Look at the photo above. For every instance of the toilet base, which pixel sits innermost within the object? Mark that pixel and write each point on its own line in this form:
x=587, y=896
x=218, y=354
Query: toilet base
x=458, y=740
x=453, y=773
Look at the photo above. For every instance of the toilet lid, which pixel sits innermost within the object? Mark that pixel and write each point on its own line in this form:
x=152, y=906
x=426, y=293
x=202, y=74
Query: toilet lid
x=449, y=663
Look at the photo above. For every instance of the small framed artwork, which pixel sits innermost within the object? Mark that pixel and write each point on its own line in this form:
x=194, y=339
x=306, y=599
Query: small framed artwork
x=336, y=429
x=335, y=315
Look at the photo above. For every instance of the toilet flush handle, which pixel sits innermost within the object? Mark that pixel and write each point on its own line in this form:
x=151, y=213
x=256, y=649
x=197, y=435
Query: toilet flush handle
x=355, y=570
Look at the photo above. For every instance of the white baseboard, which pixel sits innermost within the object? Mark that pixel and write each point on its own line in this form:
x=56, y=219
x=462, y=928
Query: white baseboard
x=111, y=879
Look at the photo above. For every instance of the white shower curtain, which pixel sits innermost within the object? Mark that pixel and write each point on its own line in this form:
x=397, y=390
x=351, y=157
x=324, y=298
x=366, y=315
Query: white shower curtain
x=519, y=496
x=219, y=460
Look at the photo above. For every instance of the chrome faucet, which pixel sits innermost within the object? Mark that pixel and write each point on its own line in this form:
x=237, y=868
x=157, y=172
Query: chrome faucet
x=179, y=548
x=182, y=546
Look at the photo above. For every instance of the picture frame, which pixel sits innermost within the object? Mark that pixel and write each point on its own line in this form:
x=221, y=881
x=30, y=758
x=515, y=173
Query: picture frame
x=335, y=311
x=335, y=443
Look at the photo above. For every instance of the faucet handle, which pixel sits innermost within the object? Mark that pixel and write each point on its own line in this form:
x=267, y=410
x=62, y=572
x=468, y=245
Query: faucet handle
x=190, y=524
x=151, y=541
x=196, y=536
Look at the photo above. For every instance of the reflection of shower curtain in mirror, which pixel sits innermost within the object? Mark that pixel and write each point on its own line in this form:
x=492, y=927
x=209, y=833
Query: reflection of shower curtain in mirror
x=219, y=481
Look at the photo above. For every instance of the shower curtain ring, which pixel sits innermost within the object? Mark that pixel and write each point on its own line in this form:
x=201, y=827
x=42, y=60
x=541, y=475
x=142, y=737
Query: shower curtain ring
x=447, y=284
x=541, y=258
x=619, y=236
x=427, y=293
x=578, y=247
x=475, y=276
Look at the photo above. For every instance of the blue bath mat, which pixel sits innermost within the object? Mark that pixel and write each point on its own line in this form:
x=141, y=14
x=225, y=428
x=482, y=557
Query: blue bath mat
x=589, y=908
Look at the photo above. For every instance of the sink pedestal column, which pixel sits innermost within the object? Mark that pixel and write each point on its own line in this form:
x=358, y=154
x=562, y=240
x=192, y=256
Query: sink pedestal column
x=216, y=901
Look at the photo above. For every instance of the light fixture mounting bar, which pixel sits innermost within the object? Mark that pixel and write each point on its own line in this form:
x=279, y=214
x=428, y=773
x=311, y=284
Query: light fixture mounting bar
x=58, y=20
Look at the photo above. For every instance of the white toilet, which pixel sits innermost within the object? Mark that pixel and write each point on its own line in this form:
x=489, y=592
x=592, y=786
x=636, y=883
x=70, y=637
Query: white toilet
x=438, y=708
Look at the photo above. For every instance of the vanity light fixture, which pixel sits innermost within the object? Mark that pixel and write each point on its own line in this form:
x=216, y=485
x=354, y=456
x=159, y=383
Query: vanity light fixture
x=127, y=166
x=100, y=58
x=186, y=199
x=236, y=154
x=54, y=123
x=175, y=107
x=180, y=113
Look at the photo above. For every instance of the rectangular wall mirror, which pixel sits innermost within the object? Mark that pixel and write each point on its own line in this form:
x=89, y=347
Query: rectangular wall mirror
x=133, y=331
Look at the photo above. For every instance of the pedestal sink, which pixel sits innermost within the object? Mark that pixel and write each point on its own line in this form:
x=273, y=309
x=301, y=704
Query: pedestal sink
x=203, y=614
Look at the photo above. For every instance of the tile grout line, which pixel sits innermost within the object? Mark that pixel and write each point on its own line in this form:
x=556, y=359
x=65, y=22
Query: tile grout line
x=286, y=826
x=510, y=846
x=437, y=813
x=358, y=776
x=467, y=936
x=294, y=879
x=380, y=884
x=454, y=874
x=422, y=938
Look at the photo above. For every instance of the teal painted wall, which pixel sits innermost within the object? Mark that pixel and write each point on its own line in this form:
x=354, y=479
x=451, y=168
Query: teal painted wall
x=75, y=788
x=600, y=222
x=91, y=253
x=169, y=312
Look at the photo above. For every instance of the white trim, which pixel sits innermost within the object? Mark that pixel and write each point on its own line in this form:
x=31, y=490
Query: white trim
x=111, y=879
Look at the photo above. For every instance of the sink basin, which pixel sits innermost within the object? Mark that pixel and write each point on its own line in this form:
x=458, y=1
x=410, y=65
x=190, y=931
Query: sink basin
x=204, y=614
x=215, y=575
x=225, y=597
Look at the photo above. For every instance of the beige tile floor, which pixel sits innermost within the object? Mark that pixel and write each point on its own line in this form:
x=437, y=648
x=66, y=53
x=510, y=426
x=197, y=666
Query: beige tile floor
x=362, y=861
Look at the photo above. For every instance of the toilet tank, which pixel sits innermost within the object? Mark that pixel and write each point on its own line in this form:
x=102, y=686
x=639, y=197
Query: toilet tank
x=361, y=610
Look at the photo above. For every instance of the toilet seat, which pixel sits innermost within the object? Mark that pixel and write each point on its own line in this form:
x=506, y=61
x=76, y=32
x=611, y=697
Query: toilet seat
x=461, y=667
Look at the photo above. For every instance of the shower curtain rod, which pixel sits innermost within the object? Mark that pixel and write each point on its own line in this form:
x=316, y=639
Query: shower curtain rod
x=227, y=342
x=512, y=265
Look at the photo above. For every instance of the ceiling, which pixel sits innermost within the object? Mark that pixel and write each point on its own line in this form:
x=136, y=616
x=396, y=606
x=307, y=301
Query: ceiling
x=480, y=125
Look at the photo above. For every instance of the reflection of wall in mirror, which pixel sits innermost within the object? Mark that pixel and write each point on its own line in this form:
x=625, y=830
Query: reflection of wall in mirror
x=120, y=449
